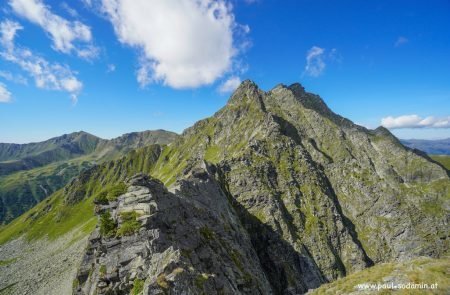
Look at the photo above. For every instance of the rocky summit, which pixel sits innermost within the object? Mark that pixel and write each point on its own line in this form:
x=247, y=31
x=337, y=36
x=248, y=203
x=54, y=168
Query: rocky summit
x=274, y=194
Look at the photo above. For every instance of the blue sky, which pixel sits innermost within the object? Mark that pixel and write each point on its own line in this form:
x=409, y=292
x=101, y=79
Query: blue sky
x=110, y=67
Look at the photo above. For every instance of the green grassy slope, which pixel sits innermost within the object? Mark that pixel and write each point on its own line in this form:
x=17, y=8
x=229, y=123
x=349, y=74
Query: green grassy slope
x=52, y=218
x=421, y=270
x=22, y=190
x=444, y=160
x=31, y=172
x=73, y=206
x=17, y=157
x=77, y=142
x=14, y=157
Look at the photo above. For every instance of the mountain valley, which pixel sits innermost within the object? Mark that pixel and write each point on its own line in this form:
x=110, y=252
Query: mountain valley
x=31, y=172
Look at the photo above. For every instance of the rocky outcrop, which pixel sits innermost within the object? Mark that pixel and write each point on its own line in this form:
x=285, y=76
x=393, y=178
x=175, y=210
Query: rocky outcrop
x=189, y=241
x=396, y=198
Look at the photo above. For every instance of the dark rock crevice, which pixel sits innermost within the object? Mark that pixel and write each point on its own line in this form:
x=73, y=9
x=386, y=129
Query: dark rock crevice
x=288, y=271
x=289, y=130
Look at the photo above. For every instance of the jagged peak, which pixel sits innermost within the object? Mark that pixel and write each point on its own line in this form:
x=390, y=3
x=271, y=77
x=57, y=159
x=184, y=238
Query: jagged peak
x=293, y=95
x=247, y=83
x=278, y=87
x=249, y=90
x=297, y=88
x=382, y=130
x=308, y=100
x=246, y=90
x=247, y=86
x=386, y=133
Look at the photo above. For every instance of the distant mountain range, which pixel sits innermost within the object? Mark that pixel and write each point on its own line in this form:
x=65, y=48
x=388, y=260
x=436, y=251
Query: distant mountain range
x=431, y=147
x=31, y=172
x=16, y=157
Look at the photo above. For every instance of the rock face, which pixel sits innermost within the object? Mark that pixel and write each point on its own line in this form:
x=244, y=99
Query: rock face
x=301, y=176
x=189, y=242
x=274, y=194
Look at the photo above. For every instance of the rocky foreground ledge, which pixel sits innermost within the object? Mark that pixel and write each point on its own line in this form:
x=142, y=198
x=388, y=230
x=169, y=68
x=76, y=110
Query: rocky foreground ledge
x=188, y=242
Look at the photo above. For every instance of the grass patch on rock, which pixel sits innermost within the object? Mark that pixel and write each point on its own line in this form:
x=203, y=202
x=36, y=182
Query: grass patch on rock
x=129, y=224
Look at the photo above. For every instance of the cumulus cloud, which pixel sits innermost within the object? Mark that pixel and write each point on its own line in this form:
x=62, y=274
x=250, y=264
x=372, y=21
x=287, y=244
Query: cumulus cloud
x=415, y=121
x=230, y=84
x=182, y=43
x=401, y=41
x=67, y=36
x=46, y=75
x=315, y=64
x=5, y=95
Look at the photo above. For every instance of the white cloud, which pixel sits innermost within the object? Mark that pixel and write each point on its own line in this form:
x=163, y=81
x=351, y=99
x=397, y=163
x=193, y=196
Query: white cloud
x=8, y=31
x=315, y=64
x=401, y=41
x=144, y=73
x=5, y=95
x=67, y=36
x=19, y=79
x=183, y=43
x=230, y=85
x=317, y=59
x=415, y=121
x=46, y=75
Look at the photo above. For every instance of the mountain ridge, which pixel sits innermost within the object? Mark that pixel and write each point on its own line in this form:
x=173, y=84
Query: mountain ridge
x=87, y=143
x=34, y=171
x=15, y=151
x=316, y=197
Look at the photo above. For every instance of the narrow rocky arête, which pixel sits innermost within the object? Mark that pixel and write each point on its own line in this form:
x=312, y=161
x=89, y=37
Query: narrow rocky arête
x=189, y=241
